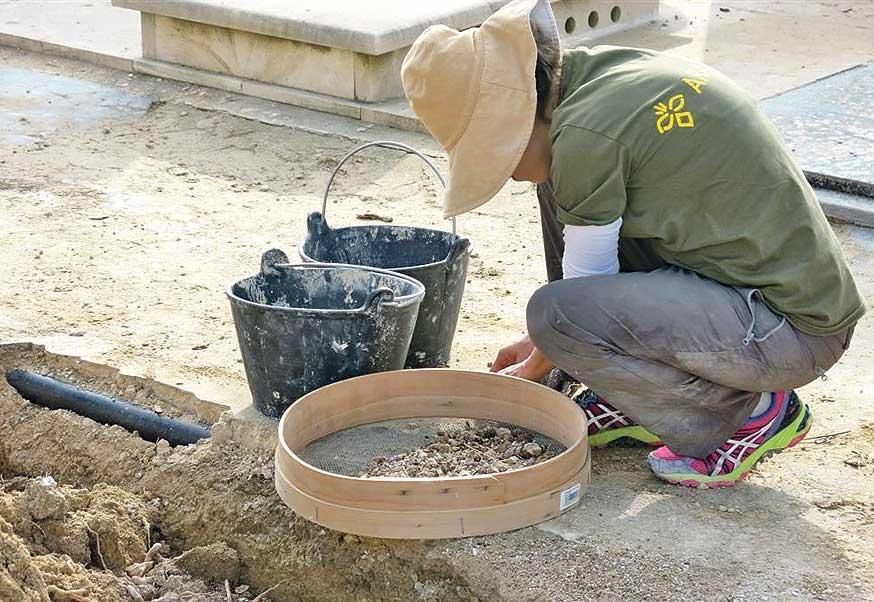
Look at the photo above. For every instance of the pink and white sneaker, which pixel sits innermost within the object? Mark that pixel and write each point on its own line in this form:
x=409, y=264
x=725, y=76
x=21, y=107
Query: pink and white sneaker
x=782, y=425
x=607, y=424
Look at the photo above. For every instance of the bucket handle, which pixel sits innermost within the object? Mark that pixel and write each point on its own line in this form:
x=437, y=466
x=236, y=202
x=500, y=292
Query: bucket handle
x=377, y=297
x=271, y=260
x=383, y=144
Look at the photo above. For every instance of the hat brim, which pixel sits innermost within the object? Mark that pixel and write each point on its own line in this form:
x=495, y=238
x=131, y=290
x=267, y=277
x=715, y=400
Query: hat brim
x=488, y=153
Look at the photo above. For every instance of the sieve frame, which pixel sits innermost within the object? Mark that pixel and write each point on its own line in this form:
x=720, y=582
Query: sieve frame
x=440, y=507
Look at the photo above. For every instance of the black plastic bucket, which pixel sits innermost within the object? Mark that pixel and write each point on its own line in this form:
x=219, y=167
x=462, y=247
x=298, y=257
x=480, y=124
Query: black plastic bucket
x=301, y=327
x=435, y=258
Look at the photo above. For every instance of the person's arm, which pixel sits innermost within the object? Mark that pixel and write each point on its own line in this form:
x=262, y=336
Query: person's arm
x=588, y=251
x=591, y=250
x=552, y=231
x=588, y=190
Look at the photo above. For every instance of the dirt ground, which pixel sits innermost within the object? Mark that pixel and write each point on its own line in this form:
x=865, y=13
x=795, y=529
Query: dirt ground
x=120, y=235
x=74, y=545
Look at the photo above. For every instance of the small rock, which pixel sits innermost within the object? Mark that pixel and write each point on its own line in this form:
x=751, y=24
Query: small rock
x=503, y=432
x=531, y=450
x=44, y=499
x=723, y=508
x=856, y=460
x=183, y=114
x=513, y=450
x=77, y=333
x=723, y=9
x=241, y=589
x=140, y=569
x=134, y=593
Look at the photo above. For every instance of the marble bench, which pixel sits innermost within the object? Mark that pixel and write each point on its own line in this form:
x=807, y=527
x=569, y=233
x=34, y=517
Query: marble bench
x=347, y=49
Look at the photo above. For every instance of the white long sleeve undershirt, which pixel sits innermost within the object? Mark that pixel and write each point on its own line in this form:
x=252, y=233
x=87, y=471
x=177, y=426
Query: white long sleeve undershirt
x=591, y=250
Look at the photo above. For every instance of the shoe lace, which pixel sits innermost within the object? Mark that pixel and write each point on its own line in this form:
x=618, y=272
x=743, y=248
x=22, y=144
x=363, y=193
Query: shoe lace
x=731, y=453
x=600, y=415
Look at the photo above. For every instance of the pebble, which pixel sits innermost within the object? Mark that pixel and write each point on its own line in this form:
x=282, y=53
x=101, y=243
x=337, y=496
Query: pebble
x=482, y=450
x=531, y=450
x=134, y=593
x=139, y=569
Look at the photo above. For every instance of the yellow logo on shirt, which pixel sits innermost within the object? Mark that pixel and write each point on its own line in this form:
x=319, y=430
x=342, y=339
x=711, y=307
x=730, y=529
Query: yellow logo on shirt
x=671, y=114
x=695, y=82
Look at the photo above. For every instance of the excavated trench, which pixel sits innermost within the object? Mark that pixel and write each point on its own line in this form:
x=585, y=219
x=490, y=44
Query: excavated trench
x=212, y=503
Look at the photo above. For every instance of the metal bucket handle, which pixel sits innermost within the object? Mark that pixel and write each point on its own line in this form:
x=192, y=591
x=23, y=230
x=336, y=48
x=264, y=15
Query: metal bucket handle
x=383, y=144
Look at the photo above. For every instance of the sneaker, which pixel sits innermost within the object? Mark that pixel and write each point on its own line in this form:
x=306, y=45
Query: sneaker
x=783, y=425
x=607, y=424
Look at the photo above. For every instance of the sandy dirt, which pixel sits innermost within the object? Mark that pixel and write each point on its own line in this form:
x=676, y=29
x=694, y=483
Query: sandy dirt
x=118, y=240
x=67, y=544
x=214, y=504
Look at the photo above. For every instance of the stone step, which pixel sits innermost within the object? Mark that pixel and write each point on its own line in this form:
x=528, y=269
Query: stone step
x=342, y=48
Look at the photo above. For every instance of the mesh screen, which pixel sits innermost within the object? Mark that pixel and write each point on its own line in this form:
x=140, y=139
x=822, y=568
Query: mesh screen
x=348, y=452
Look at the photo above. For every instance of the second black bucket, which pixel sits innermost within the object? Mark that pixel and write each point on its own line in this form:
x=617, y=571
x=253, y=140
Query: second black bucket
x=301, y=327
x=435, y=258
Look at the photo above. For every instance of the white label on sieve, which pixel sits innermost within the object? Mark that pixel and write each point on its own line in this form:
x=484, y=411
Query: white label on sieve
x=569, y=497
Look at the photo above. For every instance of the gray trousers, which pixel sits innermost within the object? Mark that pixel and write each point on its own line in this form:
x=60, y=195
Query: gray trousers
x=682, y=355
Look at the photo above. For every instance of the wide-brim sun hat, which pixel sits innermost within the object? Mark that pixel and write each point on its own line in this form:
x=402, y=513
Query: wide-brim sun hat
x=474, y=91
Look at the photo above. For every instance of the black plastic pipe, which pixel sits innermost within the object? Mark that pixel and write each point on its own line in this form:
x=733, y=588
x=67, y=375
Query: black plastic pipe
x=57, y=395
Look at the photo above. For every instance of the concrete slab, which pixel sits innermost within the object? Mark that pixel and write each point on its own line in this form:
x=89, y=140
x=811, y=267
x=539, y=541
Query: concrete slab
x=33, y=104
x=374, y=27
x=829, y=125
x=343, y=49
x=845, y=207
x=90, y=25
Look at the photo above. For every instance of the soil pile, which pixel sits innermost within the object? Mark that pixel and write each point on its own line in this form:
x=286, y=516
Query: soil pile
x=471, y=451
x=63, y=544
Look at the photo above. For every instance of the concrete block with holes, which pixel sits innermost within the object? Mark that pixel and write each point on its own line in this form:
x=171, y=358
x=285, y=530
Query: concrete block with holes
x=347, y=49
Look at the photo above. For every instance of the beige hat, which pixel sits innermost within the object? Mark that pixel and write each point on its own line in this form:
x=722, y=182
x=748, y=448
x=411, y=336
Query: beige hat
x=474, y=91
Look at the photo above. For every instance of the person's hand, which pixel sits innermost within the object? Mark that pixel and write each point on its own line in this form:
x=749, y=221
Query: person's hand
x=512, y=354
x=535, y=367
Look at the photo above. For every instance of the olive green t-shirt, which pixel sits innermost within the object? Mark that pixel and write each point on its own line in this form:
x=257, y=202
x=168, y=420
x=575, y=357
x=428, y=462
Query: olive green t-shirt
x=700, y=178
